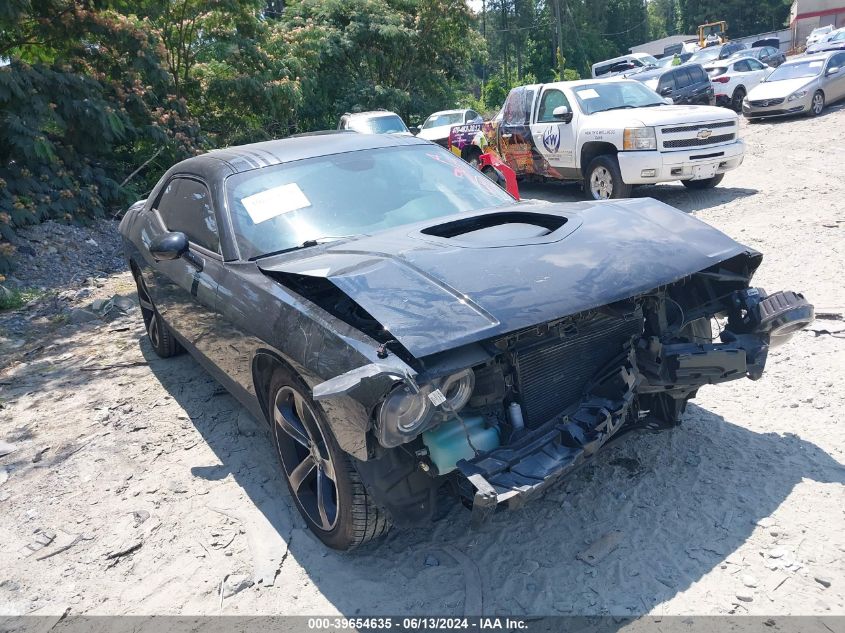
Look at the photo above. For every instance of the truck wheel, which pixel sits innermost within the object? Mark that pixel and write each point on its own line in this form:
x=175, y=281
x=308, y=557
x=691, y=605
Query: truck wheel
x=604, y=179
x=707, y=183
x=326, y=488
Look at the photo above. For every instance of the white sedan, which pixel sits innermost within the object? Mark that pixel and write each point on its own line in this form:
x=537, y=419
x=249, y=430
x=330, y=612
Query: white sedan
x=732, y=79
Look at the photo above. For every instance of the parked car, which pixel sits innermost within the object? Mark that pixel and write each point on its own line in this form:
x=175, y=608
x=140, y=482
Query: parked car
x=417, y=349
x=437, y=126
x=819, y=34
x=375, y=122
x=802, y=85
x=769, y=55
x=772, y=42
x=733, y=78
x=712, y=53
x=687, y=84
x=835, y=42
x=622, y=64
x=611, y=134
x=667, y=61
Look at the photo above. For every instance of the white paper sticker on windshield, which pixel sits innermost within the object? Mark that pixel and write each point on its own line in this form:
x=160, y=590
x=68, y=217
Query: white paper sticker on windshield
x=275, y=202
x=588, y=93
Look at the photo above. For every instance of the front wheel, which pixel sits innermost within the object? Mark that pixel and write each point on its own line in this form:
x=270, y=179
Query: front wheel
x=817, y=104
x=604, y=179
x=322, y=480
x=706, y=183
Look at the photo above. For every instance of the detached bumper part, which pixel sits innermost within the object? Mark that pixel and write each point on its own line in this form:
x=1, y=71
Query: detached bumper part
x=514, y=473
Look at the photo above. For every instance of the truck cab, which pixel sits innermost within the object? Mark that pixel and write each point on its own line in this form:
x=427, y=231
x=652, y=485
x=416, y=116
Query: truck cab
x=609, y=134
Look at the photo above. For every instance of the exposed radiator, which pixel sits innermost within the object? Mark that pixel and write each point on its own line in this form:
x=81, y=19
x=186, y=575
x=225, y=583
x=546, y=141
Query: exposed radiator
x=552, y=373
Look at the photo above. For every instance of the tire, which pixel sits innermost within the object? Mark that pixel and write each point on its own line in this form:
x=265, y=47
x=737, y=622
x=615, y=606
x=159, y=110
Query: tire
x=163, y=342
x=736, y=99
x=322, y=479
x=817, y=104
x=603, y=180
x=473, y=158
x=707, y=183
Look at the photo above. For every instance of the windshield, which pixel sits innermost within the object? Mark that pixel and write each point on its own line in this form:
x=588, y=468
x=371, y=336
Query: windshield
x=838, y=37
x=648, y=60
x=705, y=55
x=436, y=120
x=615, y=95
x=797, y=70
x=390, y=124
x=282, y=207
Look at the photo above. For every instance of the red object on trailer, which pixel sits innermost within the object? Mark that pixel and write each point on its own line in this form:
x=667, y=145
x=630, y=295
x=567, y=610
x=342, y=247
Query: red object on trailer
x=491, y=165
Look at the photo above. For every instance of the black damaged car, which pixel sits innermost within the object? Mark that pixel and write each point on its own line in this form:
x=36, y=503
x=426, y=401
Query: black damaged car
x=403, y=324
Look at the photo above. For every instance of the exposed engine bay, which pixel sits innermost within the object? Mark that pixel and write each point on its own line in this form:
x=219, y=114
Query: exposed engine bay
x=550, y=396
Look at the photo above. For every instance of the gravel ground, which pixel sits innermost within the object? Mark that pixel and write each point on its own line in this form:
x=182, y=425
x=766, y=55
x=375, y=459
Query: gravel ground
x=139, y=486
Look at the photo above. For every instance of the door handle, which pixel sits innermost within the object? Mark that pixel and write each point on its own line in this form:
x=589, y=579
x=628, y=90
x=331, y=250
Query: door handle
x=507, y=135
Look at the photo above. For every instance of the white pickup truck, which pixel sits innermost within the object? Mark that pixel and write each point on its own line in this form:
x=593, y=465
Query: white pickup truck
x=611, y=134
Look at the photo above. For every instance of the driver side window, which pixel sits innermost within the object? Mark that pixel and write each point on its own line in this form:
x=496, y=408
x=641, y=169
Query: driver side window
x=185, y=205
x=550, y=100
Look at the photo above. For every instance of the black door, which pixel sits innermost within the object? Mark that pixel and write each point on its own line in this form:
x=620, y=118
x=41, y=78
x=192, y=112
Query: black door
x=185, y=292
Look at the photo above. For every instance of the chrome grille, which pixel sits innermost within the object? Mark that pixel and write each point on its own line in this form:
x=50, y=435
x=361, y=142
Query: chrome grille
x=765, y=103
x=553, y=372
x=697, y=142
x=697, y=134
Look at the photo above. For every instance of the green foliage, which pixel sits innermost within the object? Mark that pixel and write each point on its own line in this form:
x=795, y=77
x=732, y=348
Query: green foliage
x=13, y=298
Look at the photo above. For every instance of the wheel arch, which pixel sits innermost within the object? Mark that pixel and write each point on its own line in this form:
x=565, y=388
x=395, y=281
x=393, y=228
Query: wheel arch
x=265, y=362
x=592, y=149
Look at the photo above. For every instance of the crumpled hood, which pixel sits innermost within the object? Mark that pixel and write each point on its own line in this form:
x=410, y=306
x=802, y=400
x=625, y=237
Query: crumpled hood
x=435, y=292
x=658, y=115
x=777, y=89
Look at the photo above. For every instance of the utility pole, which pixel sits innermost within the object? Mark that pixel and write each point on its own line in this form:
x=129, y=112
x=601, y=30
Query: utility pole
x=559, y=55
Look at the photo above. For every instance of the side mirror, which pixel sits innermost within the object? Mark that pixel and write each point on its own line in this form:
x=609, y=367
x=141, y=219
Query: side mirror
x=169, y=246
x=414, y=129
x=563, y=113
x=832, y=71
x=666, y=90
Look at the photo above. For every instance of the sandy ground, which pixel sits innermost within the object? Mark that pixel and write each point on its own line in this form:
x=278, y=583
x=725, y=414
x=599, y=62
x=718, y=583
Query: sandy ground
x=151, y=486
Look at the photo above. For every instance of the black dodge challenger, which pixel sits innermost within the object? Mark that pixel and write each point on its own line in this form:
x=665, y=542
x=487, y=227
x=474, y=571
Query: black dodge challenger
x=403, y=324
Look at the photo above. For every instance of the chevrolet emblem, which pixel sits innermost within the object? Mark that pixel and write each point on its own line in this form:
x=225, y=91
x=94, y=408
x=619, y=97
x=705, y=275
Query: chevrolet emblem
x=704, y=134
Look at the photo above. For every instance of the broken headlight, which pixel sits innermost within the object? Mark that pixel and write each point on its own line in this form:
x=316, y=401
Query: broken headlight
x=779, y=315
x=408, y=410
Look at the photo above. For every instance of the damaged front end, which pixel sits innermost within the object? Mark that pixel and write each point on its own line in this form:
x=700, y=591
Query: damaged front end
x=534, y=404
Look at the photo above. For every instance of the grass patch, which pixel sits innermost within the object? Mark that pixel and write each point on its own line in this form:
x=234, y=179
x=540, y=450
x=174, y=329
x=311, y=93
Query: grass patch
x=13, y=298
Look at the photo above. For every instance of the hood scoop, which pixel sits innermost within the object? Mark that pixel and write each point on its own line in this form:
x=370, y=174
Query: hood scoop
x=508, y=228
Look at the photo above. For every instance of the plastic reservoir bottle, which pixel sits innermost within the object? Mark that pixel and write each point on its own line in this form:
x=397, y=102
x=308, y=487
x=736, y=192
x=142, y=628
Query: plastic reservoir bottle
x=447, y=444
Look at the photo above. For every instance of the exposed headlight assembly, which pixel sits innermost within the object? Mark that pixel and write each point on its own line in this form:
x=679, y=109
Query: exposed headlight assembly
x=639, y=138
x=407, y=411
x=797, y=95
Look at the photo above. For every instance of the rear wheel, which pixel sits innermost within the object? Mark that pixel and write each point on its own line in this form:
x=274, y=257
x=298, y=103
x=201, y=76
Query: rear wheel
x=706, y=183
x=603, y=179
x=162, y=340
x=322, y=480
x=817, y=104
x=736, y=100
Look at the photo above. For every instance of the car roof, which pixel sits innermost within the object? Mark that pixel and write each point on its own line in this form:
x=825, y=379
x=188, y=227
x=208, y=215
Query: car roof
x=455, y=111
x=371, y=113
x=659, y=72
x=811, y=57
x=242, y=158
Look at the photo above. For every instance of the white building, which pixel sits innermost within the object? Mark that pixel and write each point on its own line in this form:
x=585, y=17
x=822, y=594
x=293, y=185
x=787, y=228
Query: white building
x=807, y=15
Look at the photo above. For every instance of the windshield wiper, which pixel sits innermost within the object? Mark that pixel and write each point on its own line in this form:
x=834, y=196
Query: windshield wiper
x=619, y=107
x=306, y=244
